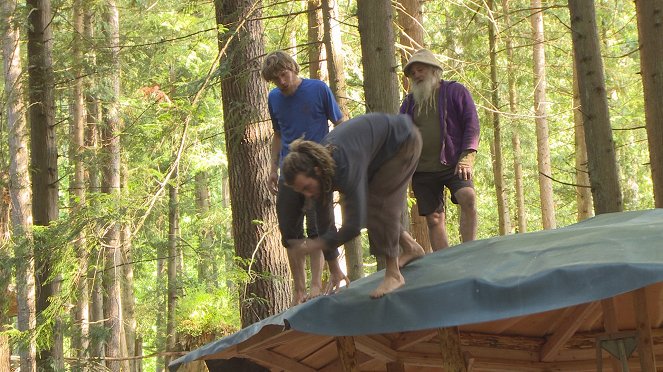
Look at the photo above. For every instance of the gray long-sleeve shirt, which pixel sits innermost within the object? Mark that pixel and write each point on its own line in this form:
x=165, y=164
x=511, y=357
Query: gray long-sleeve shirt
x=360, y=146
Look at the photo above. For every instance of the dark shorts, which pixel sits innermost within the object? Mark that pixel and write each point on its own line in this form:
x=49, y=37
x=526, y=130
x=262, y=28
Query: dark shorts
x=291, y=207
x=429, y=187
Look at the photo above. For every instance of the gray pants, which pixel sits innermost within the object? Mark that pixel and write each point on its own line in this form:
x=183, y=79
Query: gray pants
x=386, y=197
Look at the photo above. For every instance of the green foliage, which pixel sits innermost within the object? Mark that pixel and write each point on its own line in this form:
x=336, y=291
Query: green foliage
x=201, y=312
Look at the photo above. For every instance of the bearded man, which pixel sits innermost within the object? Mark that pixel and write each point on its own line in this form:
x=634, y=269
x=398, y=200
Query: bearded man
x=445, y=113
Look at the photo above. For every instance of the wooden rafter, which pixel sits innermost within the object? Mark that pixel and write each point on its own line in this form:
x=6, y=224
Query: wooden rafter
x=275, y=360
x=567, y=329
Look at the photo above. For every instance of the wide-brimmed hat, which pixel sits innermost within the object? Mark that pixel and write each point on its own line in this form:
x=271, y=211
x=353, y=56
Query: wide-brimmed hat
x=424, y=56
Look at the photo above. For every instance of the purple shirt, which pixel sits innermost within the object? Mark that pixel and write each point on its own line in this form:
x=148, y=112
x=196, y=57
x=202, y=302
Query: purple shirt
x=460, y=130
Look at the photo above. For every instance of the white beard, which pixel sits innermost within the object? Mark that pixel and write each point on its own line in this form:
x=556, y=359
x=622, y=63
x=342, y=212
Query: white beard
x=424, y=92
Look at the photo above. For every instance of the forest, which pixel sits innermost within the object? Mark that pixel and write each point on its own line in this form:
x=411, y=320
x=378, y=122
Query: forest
x=136, y=222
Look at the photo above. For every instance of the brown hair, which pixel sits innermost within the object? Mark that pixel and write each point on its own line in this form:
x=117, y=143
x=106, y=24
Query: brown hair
x=307, y=156
x=275, y=62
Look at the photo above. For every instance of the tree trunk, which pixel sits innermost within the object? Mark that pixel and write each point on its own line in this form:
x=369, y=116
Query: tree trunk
x=650, y=29
x=540, y=105
x=127, y=283
x=378, y=55
x=583, y=191
x=173, y=256
x=19, y=186
x=207, y=272
x=111, y=167
x=161, y=316
x=93, y=120
x=80, y=342
x=410, y=20
x=335, y=59
x=515, y=137
x=601, y=156
x=6, y=296
x=496, y=146
x=248, y=134
x=43, y=165
x=316, y=52
x=336, y=66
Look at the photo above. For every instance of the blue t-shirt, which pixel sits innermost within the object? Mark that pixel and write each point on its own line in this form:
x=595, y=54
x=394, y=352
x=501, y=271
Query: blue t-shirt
x=306, y=113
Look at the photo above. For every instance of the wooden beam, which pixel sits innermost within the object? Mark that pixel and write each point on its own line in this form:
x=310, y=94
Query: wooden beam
x=335, y=366
x=507, y=365
x=452, y=355
x=643, y=326
x=347, y=353
x=469, y=361
x=407, y=339
x=275, y=360
x=566, y=330
x=395, y=367
x=267, y=337
x=375, y=348
x=610, y=325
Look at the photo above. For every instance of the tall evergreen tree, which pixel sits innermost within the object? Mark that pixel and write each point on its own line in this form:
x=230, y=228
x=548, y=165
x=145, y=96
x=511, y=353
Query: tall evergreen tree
x=602, y=162
x=540, y=109
x=244, y=99
x=515, y=135
x=410, y=21
x=496, y=145
x=111, y=167
x=43, y=167
x=378, y=55
x=650, y=29
x=19, y=187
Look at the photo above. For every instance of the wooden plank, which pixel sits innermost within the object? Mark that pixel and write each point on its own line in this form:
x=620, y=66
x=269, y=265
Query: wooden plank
x=452, y=355
x=274, y=360
x=335, y=366
x=566, y=329
x=610, y=325
x=502, y=341
x=407, y=339
x=305, y=345
x=319, y=357
x=347, y=353
x=643, y=326
x=268, y=337
x=395, y=367
x=469, y=361
x=375, y=348
x=224, y=354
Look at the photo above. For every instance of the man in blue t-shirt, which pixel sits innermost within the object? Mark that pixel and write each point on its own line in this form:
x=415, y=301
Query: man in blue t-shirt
x=298, y=108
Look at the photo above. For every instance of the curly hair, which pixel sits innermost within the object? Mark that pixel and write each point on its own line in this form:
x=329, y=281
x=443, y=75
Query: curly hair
x=307, y=156
x=275, y=62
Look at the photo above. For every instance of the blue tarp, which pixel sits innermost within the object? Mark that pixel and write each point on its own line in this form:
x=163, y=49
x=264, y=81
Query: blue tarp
x=486, y=280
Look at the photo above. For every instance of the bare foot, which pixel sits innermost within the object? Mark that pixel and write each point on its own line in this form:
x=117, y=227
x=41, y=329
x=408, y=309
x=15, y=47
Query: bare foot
x=315, y=292
x=389, y=284
x=297, y=298
x=411, y=249
x=407, y=257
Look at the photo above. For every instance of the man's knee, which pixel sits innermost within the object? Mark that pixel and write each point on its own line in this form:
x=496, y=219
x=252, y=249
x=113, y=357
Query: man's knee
x=466, y=198
x=435, y=219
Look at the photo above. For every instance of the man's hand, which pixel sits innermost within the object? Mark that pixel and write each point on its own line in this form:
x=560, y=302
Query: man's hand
x=464, y=172
x=273, y=182
x=465, y=166
x=336, y=276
